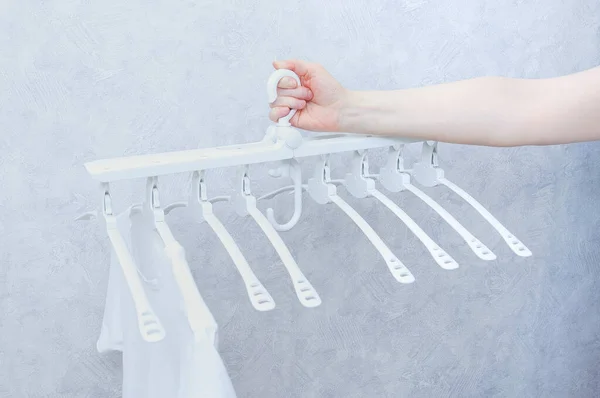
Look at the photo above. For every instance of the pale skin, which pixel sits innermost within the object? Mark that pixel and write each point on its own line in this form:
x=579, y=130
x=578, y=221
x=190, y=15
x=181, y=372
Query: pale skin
x=487, y=111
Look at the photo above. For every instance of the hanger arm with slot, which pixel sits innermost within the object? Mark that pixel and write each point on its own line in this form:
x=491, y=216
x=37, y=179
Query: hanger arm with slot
x=149, y=325
x=197, y=313
x=361, y=186
x=395, y=178
x=429, y=174
x=245, y=205
x=323, y=191
x=203, y=211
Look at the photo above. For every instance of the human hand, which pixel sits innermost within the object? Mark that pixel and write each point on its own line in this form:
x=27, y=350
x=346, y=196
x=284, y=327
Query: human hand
x=318, y=102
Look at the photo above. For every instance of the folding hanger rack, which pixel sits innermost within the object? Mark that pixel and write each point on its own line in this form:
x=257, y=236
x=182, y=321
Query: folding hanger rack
x=284, y=145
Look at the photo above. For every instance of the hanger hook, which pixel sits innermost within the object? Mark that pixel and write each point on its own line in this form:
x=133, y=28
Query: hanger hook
x=429, y=153
x=295, y=172
x=272, y=91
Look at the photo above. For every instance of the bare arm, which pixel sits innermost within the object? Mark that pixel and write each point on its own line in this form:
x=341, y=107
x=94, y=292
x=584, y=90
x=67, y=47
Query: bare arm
x=484, y=111
x=491, y=111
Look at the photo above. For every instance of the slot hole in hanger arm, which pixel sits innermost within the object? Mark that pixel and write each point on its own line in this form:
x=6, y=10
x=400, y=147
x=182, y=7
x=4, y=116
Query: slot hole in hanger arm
x=508, y=237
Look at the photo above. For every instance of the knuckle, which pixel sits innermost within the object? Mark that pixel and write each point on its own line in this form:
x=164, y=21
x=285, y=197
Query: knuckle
x=289, y=101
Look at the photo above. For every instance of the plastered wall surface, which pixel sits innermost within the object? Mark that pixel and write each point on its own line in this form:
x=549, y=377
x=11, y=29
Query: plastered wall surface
x=83, y=80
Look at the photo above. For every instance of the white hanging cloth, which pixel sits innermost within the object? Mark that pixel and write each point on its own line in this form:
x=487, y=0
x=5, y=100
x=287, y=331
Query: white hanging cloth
x=181, y=365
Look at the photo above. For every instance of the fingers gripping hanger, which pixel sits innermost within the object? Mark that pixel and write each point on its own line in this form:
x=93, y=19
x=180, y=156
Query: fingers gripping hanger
x=150, y=326
x=322, y=190
x=360, y=186
x=395, y=178
x=195, y=309
x=203, y=211
x=272, y=92
x=428, y=173
x=245, y=204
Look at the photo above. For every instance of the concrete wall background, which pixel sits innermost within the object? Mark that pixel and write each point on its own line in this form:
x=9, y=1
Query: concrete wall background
x=84, y=80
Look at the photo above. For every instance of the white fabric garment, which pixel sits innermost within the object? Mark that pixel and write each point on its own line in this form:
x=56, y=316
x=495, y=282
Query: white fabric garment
x=181, y=365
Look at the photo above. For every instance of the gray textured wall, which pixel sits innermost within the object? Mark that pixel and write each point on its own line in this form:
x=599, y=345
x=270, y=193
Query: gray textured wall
x=82, y=80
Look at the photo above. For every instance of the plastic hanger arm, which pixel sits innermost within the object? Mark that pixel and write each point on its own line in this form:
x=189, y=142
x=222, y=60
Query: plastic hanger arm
x=360, y=185
x=442, y=258
x=197, y=313
x=323, y=191
x=245, y=204
x=428, y=173
x=395, y=178
x=149, y=324
x=480, y=250
x=259, y=297
x=515, y=244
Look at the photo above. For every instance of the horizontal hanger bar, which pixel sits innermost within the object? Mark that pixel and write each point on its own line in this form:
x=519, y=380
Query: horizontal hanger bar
x=143, y=166
x=337, y=143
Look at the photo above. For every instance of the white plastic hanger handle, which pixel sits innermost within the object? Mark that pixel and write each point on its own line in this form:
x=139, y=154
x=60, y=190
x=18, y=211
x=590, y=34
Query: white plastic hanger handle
x=442, y=258
x=293, y=139
x=323, y=191
x=475, y=244
x=272, y=91
x=245, y=204
x=515, y=244
x=360, y=186
x=150, y=327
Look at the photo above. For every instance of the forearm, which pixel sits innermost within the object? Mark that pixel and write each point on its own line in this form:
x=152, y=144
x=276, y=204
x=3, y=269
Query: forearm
x=489, y=111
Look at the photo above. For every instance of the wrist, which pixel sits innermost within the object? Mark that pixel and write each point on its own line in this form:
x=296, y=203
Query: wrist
x=351, y=111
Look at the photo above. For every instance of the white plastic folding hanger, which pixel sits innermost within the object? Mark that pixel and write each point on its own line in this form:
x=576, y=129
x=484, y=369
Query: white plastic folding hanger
x=428, y=173
x=245, y=204
x=361, y=186
x=395, y=178
x=195, y=308
x=323, y=191
x=149, y=325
